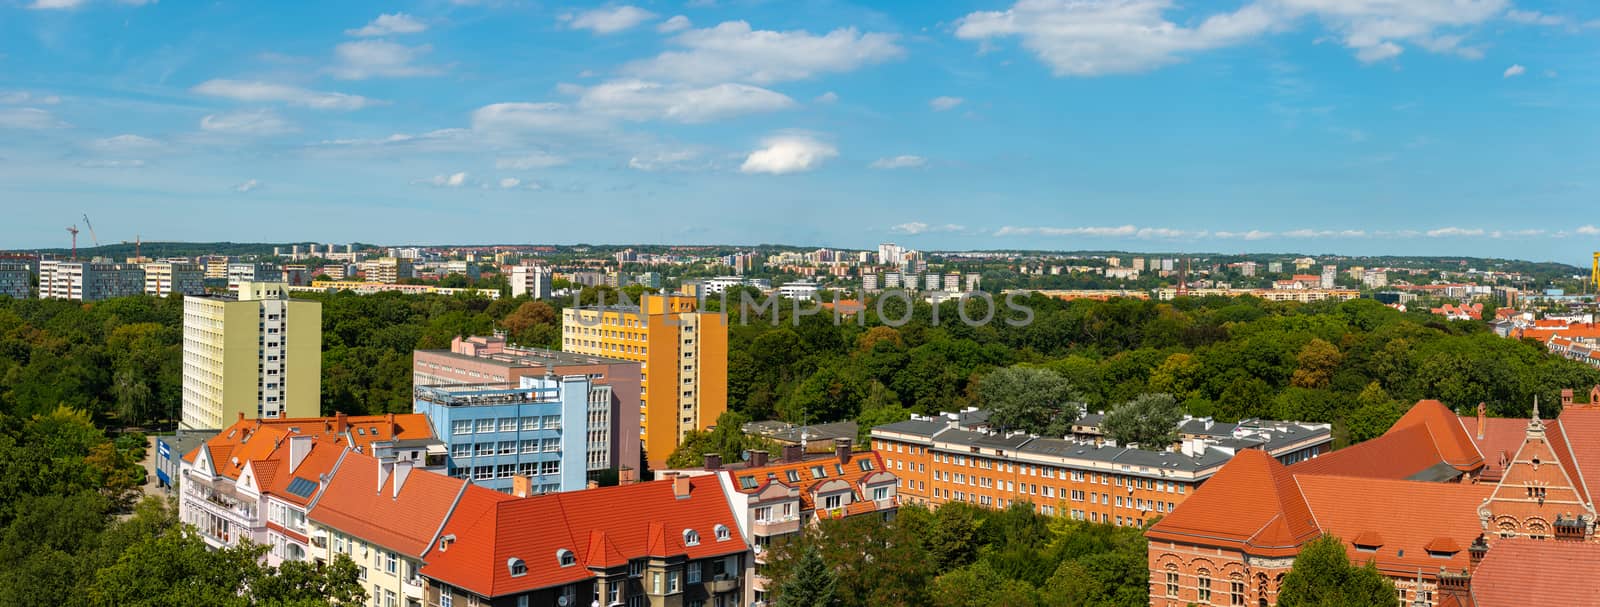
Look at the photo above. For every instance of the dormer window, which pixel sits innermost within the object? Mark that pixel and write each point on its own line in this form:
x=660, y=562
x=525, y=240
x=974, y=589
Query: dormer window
x=566, y=558
x=517, y=567
x=866, y=465
x=691, y=537
x=722, y=533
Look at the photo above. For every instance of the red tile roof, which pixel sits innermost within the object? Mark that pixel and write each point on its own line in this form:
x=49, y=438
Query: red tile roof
x=1521, y=572
x=249, y=439
x=1398, y=454
x=1501, y=435
x=809, y=482
x=1409, y=516
x=602, y=527
x=1251, y=504
x=1452, y=442
x=358, y=503
x=1576, y=433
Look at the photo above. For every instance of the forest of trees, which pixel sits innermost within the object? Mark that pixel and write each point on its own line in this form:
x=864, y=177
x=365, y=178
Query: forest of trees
x=960, y=556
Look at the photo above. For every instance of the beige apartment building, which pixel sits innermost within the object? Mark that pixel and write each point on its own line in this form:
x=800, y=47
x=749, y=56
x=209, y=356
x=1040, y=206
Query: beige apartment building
x=257, y=353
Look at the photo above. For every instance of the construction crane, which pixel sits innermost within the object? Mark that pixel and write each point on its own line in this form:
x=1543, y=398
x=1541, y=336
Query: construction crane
x=74, y=230
x=91, y=229
x=1594, y=274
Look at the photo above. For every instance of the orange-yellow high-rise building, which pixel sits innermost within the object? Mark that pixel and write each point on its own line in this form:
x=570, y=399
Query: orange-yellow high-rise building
x=683, y=380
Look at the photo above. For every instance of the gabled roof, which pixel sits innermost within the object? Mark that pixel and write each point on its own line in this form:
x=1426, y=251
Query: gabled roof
x=1501, y=435
x=1575, y=434
x=1399, y=454
x=1251, y=504
x=1407, y=517
x=360, y=500
x=754, y=480
x=491, y=529
x=1450, y=440
x=1518, y=572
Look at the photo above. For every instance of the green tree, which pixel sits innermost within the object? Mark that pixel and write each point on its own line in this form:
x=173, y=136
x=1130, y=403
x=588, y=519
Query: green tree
x=811, y=584
x=1035, y=400
x=726, y=439
x=1149, y=420
x=1323, y=576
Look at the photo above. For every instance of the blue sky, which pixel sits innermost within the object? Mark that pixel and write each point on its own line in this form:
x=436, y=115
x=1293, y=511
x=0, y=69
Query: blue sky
x=1347, y=126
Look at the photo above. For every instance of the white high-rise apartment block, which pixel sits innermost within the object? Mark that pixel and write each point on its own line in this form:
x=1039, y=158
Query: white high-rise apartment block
x=530, y=280
x=952, y=282
x=1330, y=272
x=869, y=282
x=88, y=281
x=972, y=280
x=163, y=278
x=891, y=254
x=257, y=354
x=932, y=281
x=239, y=273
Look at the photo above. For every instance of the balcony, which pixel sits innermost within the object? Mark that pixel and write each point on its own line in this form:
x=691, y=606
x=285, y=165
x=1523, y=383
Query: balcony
x=771, y=527
x=412, y=587
x=722, y=583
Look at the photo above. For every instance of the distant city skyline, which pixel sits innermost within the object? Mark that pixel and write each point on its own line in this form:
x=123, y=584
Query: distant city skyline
x=1426, y=127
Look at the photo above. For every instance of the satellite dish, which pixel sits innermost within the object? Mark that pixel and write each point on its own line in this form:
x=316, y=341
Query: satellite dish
x=562, y=600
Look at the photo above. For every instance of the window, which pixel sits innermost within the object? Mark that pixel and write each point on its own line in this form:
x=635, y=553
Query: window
x=388, y=598
x=1203, y=584
x=461, y=426
x=550, y=467
x=461, y=450
x=613, y=594
x=747, y=482
x=866, y=465
x=793, y=475
x=880, y=493
x=508, y=424
x=390, y=564
x=833, y=501
x=1172, y=583
x=566, y=558
x=508, y=447
x=486, y=425
x=722, y=533
x=693, y=575
x=635, y=568
x=522, y=601
x=517, y=566
x=1236, y=593
x=655, y=583
x=446, y=596
x=672, y=583
x=819, y=472
x=763, y=514
x=691, y=537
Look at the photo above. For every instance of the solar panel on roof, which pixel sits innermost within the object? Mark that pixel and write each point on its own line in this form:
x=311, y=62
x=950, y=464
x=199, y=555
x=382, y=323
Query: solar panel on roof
x=302, y=487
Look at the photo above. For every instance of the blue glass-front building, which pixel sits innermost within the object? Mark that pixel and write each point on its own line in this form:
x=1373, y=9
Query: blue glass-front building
x=540, y=429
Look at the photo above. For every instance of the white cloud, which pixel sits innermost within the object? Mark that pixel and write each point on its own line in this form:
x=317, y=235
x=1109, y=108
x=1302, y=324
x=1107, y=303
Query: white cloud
x=676, y=23
x=500, y=118
x=453, y=180
x=379, y=58
x=663, y=160
x=828, y=97
x=259, y=92
x=24, y=97
x=640, y=100
x=1533, y=18
x=899, y=162
x=247, y=186
x=112, y=164
x=733, y=52
x=940, y=104
x=1097, y=37
x=1515, y=70
x=536, y=160
x=609, y=20
x=916, y=227
x=389, y=24
x=1453, y=232
x=257, y=122
x=124, y=142
x=784, y=154
x=509, y=182
x=55, y=4
x=1114, y=231
x=1589, y=230
x=435, y=136
x=28, y=118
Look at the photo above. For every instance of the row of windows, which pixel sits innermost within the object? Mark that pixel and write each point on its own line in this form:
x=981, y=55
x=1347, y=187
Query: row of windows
x=505, y=424
x=548, y=445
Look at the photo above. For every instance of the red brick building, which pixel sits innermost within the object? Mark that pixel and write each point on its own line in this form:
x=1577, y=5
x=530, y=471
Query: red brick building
x=1430, y=503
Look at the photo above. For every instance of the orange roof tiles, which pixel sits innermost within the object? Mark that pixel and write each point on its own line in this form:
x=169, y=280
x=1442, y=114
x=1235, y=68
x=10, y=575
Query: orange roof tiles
x=489, y=532
x=1501, y=436
x=1252, y=503
x=808, y=483
x=1451, y=440
x=1409, y=515
x=1398, y=454
x=360, y=500
x=1580, y=457
x=1520, y=572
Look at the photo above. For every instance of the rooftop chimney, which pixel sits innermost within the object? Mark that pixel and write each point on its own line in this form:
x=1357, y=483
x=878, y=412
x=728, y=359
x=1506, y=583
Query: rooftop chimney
x=626, y=475
x=792, y=453
x=299, y=448
x=241, y=416
x=758, y=458
x=680, y=486
x=713, y=461
x=841, y=450
x=339, y=423
x=521, y=486
x=402, y=469
x=1483, y=419
x=592, y=485
x=1566, y=398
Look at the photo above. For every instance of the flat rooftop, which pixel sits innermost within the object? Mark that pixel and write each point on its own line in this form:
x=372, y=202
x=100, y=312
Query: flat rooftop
x=533, y=357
